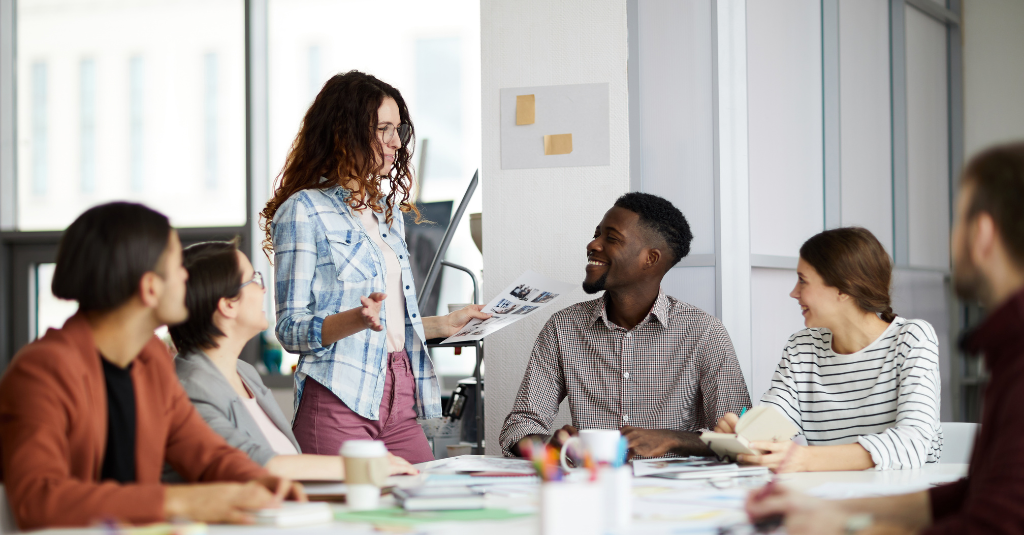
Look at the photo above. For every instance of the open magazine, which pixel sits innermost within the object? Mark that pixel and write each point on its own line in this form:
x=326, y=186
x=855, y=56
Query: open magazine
x=526, y=295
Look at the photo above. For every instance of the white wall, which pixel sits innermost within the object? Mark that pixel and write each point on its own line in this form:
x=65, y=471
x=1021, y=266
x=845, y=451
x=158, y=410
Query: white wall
x=785, y=124
x=865, y=117
x=993, y=33
x=531, y=43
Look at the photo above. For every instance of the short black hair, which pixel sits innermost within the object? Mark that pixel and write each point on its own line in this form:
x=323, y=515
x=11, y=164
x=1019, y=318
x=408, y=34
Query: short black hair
x=104, y=253
x=213, y=273
x=661, y=216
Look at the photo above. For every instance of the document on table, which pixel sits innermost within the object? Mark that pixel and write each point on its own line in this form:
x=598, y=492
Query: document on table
x=526, y=295
x=479, y=463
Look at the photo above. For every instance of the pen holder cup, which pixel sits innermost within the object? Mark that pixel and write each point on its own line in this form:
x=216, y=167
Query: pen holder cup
x=572, y=508
x=617, y=488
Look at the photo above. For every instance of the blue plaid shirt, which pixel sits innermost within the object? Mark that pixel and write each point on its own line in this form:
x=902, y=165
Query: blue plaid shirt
x=323, y=263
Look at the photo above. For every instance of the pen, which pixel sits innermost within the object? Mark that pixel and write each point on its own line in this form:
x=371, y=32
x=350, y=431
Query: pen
x=742, y=412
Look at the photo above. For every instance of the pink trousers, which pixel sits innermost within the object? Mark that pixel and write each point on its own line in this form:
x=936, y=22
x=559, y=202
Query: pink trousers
x=323, y=422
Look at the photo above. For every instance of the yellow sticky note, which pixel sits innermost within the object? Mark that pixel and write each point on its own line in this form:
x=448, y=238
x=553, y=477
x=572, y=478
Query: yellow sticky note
x=558, y=144
x=526, y=108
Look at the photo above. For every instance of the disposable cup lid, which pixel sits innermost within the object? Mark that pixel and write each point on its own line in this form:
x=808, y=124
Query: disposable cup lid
x=363, y=448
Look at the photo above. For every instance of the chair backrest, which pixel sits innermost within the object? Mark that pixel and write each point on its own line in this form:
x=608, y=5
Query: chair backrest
x=957, y=442
x=7, y=524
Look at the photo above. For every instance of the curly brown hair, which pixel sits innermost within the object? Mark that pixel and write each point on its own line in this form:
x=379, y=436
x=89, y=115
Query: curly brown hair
x=338, y=141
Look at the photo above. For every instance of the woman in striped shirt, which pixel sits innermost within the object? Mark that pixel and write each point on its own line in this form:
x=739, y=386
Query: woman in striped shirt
x=861, y=383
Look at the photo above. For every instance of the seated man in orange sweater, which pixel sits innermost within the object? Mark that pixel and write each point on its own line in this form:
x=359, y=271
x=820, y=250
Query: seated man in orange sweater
x=90, y=412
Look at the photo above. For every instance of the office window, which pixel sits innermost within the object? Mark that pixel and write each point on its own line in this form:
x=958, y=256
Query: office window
x=136, y=127
x=315, y=82
x=127, y=98
x=87, y=110
x=210, y=118
x=50, y=312
x=439, y=105
x=40, y=144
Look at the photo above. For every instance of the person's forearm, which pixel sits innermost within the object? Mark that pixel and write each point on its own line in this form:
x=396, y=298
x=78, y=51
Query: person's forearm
x=514, y=448
x=341, y=325
x=307, y=467
x=689, y=443
x=838, y=458
x=436, y=327
x=910, y=510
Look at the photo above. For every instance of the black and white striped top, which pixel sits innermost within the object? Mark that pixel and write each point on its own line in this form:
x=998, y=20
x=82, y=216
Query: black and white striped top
x=884, y=397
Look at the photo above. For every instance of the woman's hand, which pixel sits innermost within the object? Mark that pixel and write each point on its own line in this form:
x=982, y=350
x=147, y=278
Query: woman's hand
x=774, y=453
x=445, y=326
x=400, y=466
x=458, y=319
x=370, y=313
x=727, y=423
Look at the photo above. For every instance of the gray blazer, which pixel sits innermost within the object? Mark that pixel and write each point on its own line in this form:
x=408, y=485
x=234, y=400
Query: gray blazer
x=221, y=407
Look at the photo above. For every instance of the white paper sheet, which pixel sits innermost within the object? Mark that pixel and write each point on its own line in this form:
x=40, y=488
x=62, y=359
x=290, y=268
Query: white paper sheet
x=479, y=463
x=526, y=295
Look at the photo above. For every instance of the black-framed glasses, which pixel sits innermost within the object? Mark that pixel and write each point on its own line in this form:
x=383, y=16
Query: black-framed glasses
x=387, y=132
x=257, y=278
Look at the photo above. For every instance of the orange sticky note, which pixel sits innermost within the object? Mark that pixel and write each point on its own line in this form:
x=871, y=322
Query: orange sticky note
x=557, y=144
x=526, y=109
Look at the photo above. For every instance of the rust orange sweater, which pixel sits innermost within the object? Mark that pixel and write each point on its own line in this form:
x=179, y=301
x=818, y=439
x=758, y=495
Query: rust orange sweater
x=53, y=431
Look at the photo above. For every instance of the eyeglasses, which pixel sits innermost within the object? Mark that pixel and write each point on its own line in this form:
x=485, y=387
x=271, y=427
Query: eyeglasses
x=387, y=132
x=257, y=278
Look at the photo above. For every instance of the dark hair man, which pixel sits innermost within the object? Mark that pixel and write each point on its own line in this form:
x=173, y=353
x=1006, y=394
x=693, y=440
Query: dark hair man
x=987, y=246
x=90, y=412
x=634, y=358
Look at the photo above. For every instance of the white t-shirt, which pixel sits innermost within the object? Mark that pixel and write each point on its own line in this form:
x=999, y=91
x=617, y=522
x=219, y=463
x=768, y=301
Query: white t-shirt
x=394, y=304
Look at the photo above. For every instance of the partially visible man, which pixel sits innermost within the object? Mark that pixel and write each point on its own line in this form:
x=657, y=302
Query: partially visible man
x=90, y=412
x=988, y=266
x=634, y=358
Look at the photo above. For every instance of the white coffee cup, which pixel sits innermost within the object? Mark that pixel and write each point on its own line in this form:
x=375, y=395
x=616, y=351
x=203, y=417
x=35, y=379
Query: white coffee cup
x=602, y=444
x=366, y=471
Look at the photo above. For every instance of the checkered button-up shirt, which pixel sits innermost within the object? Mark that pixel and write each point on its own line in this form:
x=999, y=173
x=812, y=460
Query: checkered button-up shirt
x=675, y=370
x=324, y=261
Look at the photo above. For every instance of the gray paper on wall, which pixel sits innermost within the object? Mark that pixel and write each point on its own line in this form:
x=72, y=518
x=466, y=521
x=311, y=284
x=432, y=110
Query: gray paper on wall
x=580, y=110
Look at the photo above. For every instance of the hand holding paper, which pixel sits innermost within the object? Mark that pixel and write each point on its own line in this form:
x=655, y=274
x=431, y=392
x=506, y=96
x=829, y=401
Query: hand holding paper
x=527, y=294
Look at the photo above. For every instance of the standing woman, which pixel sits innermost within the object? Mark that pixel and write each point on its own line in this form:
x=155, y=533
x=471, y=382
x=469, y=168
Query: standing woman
x=861, y=383
x=335, y=227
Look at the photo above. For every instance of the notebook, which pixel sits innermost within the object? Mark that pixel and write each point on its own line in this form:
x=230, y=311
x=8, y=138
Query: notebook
x=291, y=514
x=760, y=424
x=439, y=498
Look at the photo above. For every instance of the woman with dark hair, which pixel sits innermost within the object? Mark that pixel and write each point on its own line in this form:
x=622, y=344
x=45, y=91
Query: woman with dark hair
x=225, y=310
x=861, y=383
x=336, y=230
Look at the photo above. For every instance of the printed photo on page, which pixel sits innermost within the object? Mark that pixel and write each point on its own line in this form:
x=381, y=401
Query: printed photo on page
x=528, y=294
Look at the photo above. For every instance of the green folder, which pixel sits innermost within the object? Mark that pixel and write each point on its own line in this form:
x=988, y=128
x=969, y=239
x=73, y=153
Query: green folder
x=397, y=515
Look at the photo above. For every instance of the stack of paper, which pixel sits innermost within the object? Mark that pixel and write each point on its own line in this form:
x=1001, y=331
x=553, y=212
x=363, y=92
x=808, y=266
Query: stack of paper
x=693, y=468
x=291, y=514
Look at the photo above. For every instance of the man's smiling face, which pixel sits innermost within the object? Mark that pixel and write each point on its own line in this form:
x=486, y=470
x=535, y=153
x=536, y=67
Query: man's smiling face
x=614, y=257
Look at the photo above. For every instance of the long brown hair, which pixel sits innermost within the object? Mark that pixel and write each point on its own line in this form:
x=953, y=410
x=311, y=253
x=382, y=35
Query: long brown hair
x=338, y=140
x=852, y=260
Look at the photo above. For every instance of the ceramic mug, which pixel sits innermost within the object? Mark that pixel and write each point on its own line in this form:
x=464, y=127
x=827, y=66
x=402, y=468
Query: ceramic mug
x=602, y=444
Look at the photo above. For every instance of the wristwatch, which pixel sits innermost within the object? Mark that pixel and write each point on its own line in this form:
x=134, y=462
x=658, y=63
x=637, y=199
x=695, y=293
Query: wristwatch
x=855, y=523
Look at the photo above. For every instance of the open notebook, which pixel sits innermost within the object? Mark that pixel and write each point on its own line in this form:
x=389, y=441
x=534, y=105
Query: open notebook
x=760, y=424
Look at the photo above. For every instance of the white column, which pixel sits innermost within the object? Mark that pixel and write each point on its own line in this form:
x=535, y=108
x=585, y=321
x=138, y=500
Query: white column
x=731, y=158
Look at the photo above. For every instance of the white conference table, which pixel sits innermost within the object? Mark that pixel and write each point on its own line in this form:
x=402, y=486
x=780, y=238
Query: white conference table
x=660, y=506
